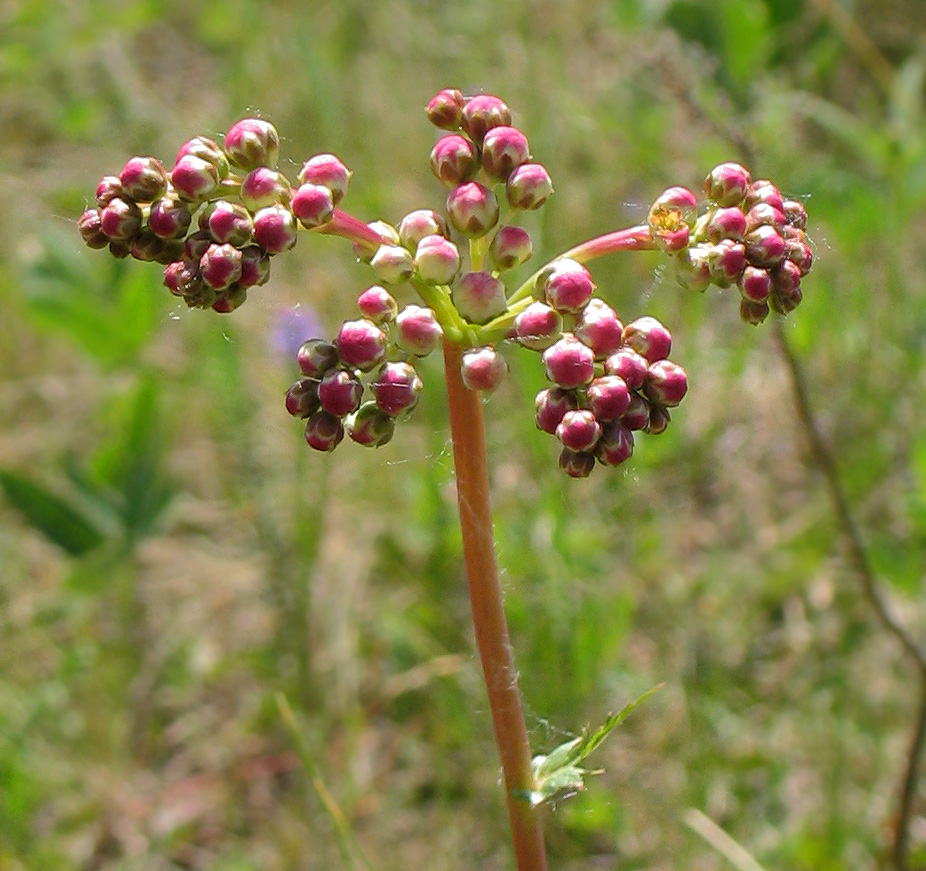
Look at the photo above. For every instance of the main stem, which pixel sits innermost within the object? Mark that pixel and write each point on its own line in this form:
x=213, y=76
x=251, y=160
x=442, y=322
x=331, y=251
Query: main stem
x=485, y=595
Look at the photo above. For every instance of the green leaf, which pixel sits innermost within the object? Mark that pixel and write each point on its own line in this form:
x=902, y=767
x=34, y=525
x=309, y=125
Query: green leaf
x=60, y=521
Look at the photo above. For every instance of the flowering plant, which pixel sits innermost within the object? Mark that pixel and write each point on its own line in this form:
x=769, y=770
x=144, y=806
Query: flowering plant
x=216, y=220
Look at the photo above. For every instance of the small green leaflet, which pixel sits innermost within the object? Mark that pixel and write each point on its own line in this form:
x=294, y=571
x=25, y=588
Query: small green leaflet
x=559, y=773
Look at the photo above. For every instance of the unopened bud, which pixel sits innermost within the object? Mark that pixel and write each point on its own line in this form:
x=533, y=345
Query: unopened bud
x=328, y=171
x=637, y=414
x=264, y=187
x=209, y=150
x=473, y=209
x=598, y=327
x=538, y=326
x=784, y=302
x=786, y=278
x=550, y=406
x=251, y=143
x=753, y=312
x=608, y=397
x=579, y=430
x=799, y=253
x=528, y=187
x=649, y=338
x=275, y=229
x=393, y=264
x=692, y=268
x=615, y=445
x=729, y=223
x=795, y=213
x=120, y=220
x=726, y=261
x=446, y=109
x=323, y=431
x=755, y=284
x=666, y=383
x=576, y=464
x=302, y=398
x=511, y=246
x=479, y=297
x=370, y=427
x=764, y=214
x=727, y=184
x=480, y=114
x=194, y=179
x=146, y=246
x=255, y=266
x=316, y=357
x=416, y=225
x=90, y=226
x=233, y=298
x=169, y=219
x=396, y=388
x=659, y=419
x=361, y=344
x=228, y=222
x=143, y=179
x=437, y=260
x=764, y=247
x=483, y=369
x=339, y=392
x=628, y=365
x=569, y=363
x=313, y=205
x=504, y=149
x=108, y=188
x=454, y=159
x=378, y=304
x=763, y=191
x=220, y=266
x=567, y=286
x=417, y=330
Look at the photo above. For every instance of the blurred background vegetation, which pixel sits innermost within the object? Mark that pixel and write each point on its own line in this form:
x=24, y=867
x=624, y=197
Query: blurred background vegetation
x=172, y=554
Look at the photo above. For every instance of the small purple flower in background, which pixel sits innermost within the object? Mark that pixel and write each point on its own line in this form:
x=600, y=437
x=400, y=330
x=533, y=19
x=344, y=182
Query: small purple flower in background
x=291, y=327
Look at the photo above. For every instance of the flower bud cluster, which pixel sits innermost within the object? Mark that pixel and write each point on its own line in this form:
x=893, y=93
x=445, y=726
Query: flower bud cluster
x=749, y=236
x=372, y=356
x=218, y=216
x=609, y=380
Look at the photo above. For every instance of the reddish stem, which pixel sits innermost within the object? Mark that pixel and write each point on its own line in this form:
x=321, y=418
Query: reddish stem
x=346, y=225
x=632, y=239
x=485, y=594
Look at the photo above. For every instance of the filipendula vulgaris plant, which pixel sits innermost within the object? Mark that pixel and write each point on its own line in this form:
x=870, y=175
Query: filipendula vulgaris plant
x=220, y=215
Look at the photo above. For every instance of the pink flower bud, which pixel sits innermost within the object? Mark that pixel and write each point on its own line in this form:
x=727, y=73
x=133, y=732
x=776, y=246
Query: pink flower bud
x=323, y=431
x=727, y=184
x=396, y=388
x=146, y=246
x=339, y=392
x=569, y=363
x=649, y=338
x=108, y=188
x=209, y=150
x=783, y=301
x=576, y=464
x=528, y=187
x=275, y=229
x=799, y=253
x=504, y=149
x=755, y=284
x=361, y=344
x=313, y=205
x=615, y=445
x=182, y=279
x=328, y=171
x=264, y=187
x=753, y=312
x=120, y=220
x=666, y=383
x=659, y=420
x=220, y=266
x=795, y=213
x=366, y=250
x=378, y=305
x=437, y=260
x=473, y=209
x=538, y=326
x=417, y=330
x=446, y=109
x=168, y=219
x=454, y=159
x=143, y=179
x=195, y=245
x=89, y=225
x=599, y=328
x=786, y=278
x=393, y=264
x=763, y=191
x=608, y=397
x=692, y=269
x=629, y=366
x=302, y=398
x=251, y=143
x=194, y=179
x=416, y=225
x=233, y=298
x=479, y=297
x=726, y=261
x=550, y=406
x=671, y=216
x=483, y=369
x=480, y=114
x=228, y=222
x=568, y=286
x=579, y=430
x=370, y=426
x=316, y=357
x=255, y=266
x=637, y=414
x=511, y=246
x=764, y=214
x=729, y=223
x=764, y=247
x=119, y=249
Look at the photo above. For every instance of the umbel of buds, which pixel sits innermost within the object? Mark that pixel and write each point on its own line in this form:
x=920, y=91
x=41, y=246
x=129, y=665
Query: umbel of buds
x=222, y=212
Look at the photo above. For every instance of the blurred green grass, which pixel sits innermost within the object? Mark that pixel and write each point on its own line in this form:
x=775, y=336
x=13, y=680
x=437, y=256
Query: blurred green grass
x=137, y=723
